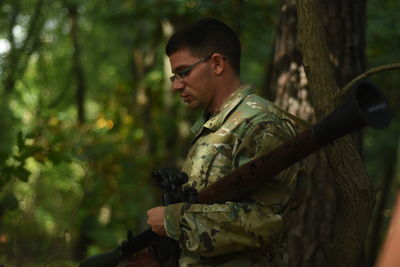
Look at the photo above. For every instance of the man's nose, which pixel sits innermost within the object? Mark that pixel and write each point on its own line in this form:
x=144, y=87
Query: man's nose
x=178, y=85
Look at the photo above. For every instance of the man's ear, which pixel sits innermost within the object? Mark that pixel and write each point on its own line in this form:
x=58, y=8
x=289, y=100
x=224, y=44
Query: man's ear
x=219, y=63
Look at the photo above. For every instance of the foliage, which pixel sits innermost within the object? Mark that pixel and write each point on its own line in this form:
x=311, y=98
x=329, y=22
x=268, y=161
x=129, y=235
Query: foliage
x=81, y=186
x=70, y=189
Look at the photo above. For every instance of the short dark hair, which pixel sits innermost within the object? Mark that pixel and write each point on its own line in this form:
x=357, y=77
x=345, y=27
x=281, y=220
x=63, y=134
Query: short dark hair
x=207, y=36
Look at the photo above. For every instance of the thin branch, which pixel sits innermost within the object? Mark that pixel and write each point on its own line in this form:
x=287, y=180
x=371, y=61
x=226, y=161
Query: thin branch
x=19, y=56
x=13, y=21
x=365, y=75
x=32, y=40
x=33, y=28
x=11, y=58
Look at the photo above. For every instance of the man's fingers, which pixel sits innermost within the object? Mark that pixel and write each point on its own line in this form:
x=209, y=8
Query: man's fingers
x=155, y=218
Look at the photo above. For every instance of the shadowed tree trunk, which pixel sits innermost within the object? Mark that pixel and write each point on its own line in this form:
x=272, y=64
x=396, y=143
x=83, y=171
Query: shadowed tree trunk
x=89, y=220
x=77, y=63
x=335, y=193
x=355, y=192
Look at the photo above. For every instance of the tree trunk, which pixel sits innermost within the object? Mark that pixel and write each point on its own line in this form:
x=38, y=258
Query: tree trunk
x=17, y=58
x=323, y=217
x=77, y=63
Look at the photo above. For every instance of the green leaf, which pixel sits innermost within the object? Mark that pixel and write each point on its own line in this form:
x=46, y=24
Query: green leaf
x=21, y=141
x=5, y=175
x=3, y=158
x=22, y=174
x=28, y=151
x=58, y=156
x=9, y=202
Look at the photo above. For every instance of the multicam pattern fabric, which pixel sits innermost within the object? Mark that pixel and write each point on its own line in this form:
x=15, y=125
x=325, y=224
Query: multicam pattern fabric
x=246, y=233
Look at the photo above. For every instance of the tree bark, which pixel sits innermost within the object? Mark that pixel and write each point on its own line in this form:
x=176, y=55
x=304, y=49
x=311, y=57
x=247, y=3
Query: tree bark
x=355, y=192
x=301, y=89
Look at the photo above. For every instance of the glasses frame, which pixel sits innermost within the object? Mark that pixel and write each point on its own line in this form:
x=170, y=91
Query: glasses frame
x=181, y=74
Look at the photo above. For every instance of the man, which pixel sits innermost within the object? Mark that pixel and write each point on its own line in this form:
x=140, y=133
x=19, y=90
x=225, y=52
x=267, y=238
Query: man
x=237, y=126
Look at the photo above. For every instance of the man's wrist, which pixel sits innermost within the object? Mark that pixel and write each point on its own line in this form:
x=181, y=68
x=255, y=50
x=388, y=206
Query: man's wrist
x=172, y=220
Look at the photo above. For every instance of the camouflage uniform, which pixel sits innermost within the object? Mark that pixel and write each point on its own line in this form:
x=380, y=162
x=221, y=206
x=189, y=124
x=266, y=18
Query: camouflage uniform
x=246, y=233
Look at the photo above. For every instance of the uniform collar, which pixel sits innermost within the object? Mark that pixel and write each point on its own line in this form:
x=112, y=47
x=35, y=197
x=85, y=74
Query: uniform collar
x=215, y=121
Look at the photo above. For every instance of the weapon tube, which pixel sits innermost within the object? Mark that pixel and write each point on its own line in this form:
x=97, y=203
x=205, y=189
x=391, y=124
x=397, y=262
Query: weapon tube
x=364, y=105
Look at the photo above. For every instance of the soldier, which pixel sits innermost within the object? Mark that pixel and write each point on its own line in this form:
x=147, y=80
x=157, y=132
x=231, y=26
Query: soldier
x=236, y=127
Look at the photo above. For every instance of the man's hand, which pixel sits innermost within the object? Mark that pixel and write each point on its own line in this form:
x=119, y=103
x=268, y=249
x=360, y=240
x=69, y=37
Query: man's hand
x=155, y=218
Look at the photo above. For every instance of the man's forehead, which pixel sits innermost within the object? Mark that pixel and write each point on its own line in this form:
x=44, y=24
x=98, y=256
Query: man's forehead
x=181, y=57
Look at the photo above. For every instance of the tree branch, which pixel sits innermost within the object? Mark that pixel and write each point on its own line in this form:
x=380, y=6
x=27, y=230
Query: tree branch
x=19, y=56
x=34, y=28
x=366, y=74
x=32, y=39
x=13, y=21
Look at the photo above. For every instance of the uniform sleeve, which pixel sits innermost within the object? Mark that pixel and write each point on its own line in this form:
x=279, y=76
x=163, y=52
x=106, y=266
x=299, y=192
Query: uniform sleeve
x=222, y=228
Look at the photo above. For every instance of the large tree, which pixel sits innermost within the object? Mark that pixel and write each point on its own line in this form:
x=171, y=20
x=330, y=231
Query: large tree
x=319, y=48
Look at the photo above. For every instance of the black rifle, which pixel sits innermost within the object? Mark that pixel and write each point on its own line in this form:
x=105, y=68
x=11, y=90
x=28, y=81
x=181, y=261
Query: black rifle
x=363, y=106
x=164, y=249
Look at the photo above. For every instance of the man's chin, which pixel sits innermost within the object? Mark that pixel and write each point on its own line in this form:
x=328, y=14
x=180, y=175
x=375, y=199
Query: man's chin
x=191, y=104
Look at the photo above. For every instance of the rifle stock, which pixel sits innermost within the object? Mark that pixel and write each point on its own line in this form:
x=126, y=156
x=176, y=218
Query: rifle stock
x=364, y=106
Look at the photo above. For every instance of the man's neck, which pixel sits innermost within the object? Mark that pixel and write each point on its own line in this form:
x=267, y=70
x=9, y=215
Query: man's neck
x=224, y=90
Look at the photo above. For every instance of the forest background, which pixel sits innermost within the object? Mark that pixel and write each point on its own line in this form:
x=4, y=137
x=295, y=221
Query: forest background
x=87, y=113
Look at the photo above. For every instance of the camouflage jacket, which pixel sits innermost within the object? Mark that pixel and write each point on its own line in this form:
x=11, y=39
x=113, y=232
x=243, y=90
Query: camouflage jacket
x=246, y=233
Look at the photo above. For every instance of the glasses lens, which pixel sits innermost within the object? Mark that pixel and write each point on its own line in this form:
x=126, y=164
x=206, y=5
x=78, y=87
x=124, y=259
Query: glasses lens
x=185, y=72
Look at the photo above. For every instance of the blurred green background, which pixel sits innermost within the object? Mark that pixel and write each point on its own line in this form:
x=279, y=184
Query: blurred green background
x=86, y=114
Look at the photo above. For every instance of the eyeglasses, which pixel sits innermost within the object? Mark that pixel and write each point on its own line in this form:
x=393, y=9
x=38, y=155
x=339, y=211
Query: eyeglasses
x=180, y=74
